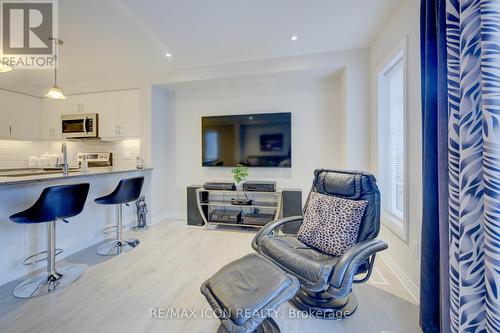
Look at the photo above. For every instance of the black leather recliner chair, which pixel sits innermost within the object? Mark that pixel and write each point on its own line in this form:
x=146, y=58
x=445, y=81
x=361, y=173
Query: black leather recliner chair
x=326, y=281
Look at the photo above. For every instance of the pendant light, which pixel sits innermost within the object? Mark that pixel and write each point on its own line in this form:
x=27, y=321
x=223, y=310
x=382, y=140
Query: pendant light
x=5, y=68
x=55, y=92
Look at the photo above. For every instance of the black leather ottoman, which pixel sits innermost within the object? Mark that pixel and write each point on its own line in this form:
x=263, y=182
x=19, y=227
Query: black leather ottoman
x=245, y=292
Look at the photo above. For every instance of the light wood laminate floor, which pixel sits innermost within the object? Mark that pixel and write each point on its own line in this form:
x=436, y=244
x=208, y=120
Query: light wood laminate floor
x=116, y=294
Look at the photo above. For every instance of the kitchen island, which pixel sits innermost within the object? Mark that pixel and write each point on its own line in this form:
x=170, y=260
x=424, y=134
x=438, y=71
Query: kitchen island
x=19, y=189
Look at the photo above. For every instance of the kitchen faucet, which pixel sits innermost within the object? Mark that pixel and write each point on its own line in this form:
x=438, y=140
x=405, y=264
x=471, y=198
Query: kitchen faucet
x=65, y=166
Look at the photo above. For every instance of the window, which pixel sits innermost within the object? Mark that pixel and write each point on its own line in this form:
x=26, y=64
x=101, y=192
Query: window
x=392, y=142
x=395, y=88
x=211, y=146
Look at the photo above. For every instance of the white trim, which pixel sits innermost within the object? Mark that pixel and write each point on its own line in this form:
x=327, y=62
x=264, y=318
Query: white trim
x=400, y=52
x=373, y=278
x=156, y=219
x=168, y=216
x=406, y=282
x=393, y=223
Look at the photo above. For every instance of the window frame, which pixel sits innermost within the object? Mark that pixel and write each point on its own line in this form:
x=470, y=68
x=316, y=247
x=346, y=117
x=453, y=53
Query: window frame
x=399, y=226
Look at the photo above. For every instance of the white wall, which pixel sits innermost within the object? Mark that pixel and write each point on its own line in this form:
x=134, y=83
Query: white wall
x=403, y=23
x=317, y=124
x=162, y=148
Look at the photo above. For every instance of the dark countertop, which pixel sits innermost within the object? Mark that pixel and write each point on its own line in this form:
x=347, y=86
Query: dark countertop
x=20, y=180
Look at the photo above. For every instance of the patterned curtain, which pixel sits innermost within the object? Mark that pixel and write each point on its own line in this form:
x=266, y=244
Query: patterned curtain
x=473, y=58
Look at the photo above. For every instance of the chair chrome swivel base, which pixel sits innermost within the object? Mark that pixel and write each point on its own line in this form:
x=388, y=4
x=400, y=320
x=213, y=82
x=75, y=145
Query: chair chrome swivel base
x=323, y=306
x=115, y=247
x=268, y=325
x=45, y=283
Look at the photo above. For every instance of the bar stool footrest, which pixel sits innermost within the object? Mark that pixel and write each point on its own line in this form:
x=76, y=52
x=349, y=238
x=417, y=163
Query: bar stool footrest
x=33, y=259
x=109, y=229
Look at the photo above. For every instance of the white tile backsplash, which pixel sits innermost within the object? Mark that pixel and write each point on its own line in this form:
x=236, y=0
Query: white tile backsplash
x=15, y=154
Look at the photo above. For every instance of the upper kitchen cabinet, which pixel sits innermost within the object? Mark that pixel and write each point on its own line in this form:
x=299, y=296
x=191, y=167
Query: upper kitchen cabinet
x=4, y=115
x=119, y=114
x=129, y=115
x=50, y=123
x=19, y=115
x=75, y=104
x=106, y=106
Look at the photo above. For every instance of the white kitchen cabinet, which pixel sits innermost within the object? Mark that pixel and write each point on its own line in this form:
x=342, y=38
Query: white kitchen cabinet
x=20, y=116
x=4, y=116
x=50, y=123
x=129, y=115
x=106, y=106
x=25, y=116
x=119, y=115
x=73, y=104
x=118, y=111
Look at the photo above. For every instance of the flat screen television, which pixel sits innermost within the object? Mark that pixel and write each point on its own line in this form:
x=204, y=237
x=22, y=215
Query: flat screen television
x=254, y=140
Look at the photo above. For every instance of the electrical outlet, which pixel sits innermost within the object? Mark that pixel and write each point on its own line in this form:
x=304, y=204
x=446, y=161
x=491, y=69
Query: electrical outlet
x=415, y=249
x=127, y=155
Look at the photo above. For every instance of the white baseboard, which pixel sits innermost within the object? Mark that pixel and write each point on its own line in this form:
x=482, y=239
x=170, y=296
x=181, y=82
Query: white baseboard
x=131, y=220
x=168, y=216
x=400, y=274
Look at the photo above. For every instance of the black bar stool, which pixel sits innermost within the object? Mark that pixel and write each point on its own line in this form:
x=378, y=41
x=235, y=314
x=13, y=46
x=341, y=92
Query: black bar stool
x=55, y=203
x=127, y=190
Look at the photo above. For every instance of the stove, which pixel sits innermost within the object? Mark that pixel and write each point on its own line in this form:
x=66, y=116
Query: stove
x=97, y=159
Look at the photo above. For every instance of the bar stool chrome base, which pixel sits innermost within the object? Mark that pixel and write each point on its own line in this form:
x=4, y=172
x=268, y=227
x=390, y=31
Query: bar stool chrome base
x=119, y=245
x=115, y=247
x=45, y=283
x=128, y=190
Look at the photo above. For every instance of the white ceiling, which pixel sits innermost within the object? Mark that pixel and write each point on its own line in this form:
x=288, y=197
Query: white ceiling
x=104, y=38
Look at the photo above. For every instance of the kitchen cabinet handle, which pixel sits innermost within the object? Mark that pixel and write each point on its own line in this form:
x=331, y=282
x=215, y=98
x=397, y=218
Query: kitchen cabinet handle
x=10, y=130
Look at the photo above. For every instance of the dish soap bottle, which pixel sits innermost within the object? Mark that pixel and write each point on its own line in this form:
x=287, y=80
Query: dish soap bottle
x=138, y=163
x=84, y=164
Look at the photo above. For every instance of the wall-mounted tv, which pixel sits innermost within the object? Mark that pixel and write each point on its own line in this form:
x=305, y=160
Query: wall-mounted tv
x=254, y=140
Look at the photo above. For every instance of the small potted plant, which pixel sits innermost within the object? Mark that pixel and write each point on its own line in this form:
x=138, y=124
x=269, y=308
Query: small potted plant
x=240, y=173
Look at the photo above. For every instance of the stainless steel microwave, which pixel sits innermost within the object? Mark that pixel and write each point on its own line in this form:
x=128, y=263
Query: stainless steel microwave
x=79, y=125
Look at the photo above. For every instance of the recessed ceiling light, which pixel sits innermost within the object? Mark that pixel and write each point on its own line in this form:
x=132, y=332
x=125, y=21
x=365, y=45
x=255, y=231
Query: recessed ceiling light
x=294, y=38
x=168, y=55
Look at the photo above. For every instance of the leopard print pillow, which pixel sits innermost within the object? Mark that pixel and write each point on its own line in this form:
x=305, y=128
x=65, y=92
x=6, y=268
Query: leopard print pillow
x=331, y=224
